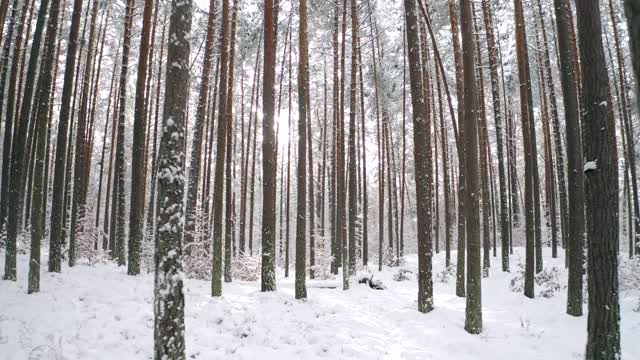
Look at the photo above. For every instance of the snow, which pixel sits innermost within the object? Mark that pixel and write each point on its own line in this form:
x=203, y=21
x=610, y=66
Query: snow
x=100, y=312
x=590, y=166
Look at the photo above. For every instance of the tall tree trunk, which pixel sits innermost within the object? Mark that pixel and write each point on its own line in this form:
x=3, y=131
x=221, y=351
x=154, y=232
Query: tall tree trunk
x=352, y=177
x=341, y=196
x=483, y=149
x=562, y=175
x=421, y=131
x=229, y=222
x=8, y=122
x=497, y=115
x=138, y=153
x=218, y=184
x=575, y=189
x=19, y=147
x=195, y=153
x=39, y=191
x=303, y=97
x=245, y=171
x=269, y=159
x=523, y=76
x=119, y=173
x=460, y=258
x=601, y=189
x=169, y=299
x=473, y=318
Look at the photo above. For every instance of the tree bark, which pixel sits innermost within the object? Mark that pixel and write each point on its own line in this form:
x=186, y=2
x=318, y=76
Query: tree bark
x=269, y=160
x=473, y=318
x=601, y=189
x=169, y=299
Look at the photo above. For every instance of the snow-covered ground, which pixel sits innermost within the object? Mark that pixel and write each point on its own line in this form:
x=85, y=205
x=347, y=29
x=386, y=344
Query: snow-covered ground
x=99, y=312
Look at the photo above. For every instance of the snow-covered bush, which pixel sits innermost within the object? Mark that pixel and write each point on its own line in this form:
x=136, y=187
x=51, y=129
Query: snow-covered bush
x=87, y=238
x=246, y=267
x=629, y=273
x=446, y=274
x=322, y=266
x=547, y=281
x=403, y=275
x=197, y=260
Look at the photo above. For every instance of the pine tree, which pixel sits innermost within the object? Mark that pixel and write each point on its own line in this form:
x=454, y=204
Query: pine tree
x=601, y=189
x=269, y=159
x=62, y=143
x=20, y=149
x=169, y=299
x=196, y=147
x=497, y=115
x=218, y=182
x=303, y=95
x=229, y=203
x=420, y=123
x=138, y=152
x=352, y=176
x=575, y=182
x=39, y=189
x=118, y=221
x=473, y=319
x=525, y=95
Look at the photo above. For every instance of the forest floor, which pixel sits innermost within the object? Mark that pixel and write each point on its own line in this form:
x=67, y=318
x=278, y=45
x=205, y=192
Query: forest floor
x=99, y=312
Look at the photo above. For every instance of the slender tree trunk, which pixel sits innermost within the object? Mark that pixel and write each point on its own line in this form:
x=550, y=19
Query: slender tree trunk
x=169, y=299
x=483, y=149
x=352, y=177
x=229, y=222
x=576, y=223
x=562, y=175
x=105, y=238
x=421, y=154
x=303, y=97
x=473, y=318
x=39, y=192
x=195, y=154
x=497, y=115
x=460, y=263
x=269, y=159
x=523, y=76
x=8, y=122
x=138, y=153
x=218, y=185
x=243, y=186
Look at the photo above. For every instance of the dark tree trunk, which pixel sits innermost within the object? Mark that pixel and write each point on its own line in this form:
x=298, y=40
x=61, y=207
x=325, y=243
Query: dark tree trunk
x=138, y=150
x=303, y=95
x=575, y=189
x=169, y=299
x=218, y=182
x=601, y=189
x=269, y=160
x=421, y=131
x=229, y=221
x=460, y=258
x=497, y=115
x=523, y=76
x=352, y=173
x=473, y=318
x=19, y=149
x=39, y=190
